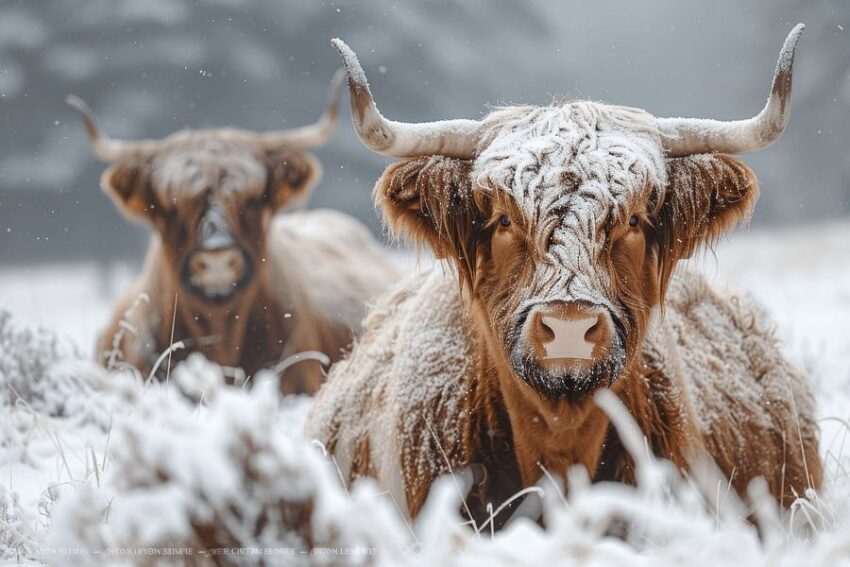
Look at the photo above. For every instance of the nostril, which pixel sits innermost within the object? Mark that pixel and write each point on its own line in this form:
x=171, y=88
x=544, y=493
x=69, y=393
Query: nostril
x=545, y=332
x=594, y=334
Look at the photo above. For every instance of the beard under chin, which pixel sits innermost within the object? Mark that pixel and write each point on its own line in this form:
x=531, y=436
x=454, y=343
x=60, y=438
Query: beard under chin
x=571, y=385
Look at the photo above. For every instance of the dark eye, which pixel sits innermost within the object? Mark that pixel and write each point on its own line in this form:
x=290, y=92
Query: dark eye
x=505, y=221
x=633, y=221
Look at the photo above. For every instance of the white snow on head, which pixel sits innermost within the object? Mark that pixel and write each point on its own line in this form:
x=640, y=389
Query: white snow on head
x=571, y=168
x=545, y=155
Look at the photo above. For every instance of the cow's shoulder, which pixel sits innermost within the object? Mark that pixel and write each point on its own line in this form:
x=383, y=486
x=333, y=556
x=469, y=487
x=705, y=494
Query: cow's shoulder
x=394, y=408
x=720, y=352
x=725, y=348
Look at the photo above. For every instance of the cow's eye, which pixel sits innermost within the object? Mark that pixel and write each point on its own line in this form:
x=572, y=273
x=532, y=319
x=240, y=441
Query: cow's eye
x=505, y=221
x=633, y=221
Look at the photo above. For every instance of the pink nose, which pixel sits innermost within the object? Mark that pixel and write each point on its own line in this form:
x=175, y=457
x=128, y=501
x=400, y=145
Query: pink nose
x=574, y=333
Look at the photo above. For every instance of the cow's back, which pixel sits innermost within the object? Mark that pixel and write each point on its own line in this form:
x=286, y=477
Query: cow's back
x=340, y=266
x=751, y=405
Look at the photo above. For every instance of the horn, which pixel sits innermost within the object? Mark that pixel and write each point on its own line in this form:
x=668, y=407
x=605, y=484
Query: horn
x=686, y=136
x=104, y=148
x=450, y=138
x=316, y=134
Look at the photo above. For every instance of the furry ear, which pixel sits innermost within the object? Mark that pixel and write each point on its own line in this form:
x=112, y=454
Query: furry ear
x=706, y=195
x=292, y=174
x=128, y=183
x=430, y=201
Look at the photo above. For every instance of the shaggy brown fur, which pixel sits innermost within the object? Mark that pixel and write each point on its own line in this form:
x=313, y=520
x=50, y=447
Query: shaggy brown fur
x=430, y=386
x=690, y=395
x=311, y=272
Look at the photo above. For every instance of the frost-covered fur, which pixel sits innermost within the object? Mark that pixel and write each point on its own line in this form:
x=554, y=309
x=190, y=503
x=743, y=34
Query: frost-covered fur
x=570, y=210
x=402, y=396
x=593, y=161
x=414, y=373
x=754, y=412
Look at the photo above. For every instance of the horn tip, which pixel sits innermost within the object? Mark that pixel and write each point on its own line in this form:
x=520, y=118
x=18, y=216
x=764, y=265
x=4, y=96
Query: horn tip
x=352, y=65
x=76, y=103
x=85, y=113
x=795, y=33
x=339, y=44
x=786, y=55
x=793, y=37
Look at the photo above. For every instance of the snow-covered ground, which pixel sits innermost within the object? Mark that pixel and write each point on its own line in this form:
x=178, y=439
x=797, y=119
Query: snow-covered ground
x=95, y=467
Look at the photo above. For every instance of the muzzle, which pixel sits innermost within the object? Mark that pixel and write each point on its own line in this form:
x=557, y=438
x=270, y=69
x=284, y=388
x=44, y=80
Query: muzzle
x=217, y=268
x=567, y=349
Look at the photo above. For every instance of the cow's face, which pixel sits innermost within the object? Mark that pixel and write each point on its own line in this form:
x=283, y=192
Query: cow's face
x=210, y=196
x=564, y=229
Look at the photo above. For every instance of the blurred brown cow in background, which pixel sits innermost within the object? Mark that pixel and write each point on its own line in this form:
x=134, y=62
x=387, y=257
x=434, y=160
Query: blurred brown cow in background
x=224, y=273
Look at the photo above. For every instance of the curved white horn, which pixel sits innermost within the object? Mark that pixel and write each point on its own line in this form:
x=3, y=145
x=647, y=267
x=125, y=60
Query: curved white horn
x=313, y=135
x=104, y=148
x=686, y=136
x=450, y=138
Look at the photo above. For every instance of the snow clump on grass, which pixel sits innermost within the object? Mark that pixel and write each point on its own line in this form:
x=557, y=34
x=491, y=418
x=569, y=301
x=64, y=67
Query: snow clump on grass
x=222, y=474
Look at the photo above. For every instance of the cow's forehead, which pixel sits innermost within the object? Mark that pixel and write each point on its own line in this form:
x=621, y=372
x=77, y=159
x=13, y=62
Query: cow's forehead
x=190, y=162
x=549, y=158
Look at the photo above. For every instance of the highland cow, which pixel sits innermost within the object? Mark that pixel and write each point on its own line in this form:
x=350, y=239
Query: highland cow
x=561, y=228
x=225, y=274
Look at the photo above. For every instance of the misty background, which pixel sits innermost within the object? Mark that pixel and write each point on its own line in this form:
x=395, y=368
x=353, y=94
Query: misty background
x=149, y=68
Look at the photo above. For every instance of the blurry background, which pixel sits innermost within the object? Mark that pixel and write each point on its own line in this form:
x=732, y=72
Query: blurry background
x=148, y=68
